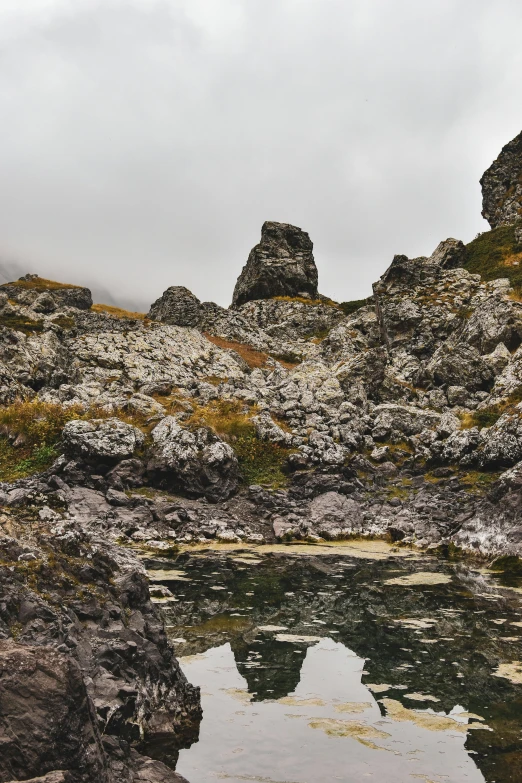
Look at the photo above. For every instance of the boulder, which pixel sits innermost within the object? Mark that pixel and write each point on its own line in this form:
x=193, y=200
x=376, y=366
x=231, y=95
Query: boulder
x=282, y=264
x=176, y=306
x=502, y=186
x=333, y=515
x=47, y=721
x=197, y=463
x=449, y=254
x=502, y=446
x=496, y=320
x=460, y=444
x=100, y=439
x=458, y=365
x=405, y=419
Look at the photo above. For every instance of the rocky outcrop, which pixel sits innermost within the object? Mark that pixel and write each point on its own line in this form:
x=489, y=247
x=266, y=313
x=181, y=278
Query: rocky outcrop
x=197, y=463
x=279, y=418
x=502, y=186
x=45, y=296
x=176, y=306
x=282, y=264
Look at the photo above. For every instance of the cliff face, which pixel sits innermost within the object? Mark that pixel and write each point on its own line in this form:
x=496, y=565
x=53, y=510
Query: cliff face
x=502, y=186
x=281, y=417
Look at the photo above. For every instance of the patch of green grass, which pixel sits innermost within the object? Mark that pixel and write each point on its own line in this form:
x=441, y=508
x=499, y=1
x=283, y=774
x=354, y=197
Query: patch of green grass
x=496, y=254
x=351, y=307
x=17, y=463
x=30, y=433
x=477, y=482
x=486, y=417
x=260, y=462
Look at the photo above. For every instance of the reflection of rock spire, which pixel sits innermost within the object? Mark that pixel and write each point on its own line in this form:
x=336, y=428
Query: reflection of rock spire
x=277, y=670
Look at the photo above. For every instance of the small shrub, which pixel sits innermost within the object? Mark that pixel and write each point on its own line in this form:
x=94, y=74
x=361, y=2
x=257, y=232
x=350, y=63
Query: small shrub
x=351, y=307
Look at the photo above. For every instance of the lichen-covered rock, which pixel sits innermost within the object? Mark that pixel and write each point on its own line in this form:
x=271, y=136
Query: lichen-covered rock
x=502, y=186
x=282, y=264
x=99, y=439
x=404, y=419
x=28, y=290
x=495, y=320
x=449, y=254
x=176, y=306
x=47, y=720
x=459, y=365
x=197, y=463
x=335, y=516
x=502, y=445
x=460, y=444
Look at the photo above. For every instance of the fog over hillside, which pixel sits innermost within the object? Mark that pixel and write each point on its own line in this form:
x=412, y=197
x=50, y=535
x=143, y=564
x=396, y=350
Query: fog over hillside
x=145, y=142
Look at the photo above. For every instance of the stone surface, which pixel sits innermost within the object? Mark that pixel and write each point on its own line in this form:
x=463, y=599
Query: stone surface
x=282, y=264
x=449, y=254
x=44, y=294
x=47, y=720
x=176, y=306
x=502, y=186
x=99, y=439
x=197, y=463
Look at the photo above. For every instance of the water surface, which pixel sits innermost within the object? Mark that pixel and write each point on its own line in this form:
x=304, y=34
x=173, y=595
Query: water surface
x=346, y=663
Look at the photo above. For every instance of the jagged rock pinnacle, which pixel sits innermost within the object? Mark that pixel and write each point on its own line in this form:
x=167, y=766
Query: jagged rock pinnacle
x=502, y=186
x=282, y=264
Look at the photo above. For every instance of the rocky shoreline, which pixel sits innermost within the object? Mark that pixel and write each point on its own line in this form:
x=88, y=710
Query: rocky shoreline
x=285, y=417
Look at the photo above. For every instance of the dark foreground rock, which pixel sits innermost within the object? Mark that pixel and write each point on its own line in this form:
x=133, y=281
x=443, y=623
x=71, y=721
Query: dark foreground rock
x=90, y=687
x=47, y=721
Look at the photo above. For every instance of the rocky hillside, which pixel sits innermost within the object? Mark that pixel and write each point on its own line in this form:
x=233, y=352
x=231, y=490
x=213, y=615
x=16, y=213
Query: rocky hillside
x=284, y=416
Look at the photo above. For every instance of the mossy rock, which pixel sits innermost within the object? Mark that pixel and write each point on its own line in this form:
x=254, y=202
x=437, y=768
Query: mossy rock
x=495, y=254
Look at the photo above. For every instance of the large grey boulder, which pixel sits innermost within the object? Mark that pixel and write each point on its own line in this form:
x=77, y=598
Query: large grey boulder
x=333, y=515
x=502, y=186
x=502, y=445
x=47, y=721
x=197, y=463
x=176, y=306
x=496, y=320
x=458, y=365
x=100, y=439
x=404, y=419
x=449, y=254
x=282, y=264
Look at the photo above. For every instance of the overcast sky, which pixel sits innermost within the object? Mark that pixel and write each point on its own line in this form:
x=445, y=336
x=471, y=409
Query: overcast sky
x=144, y=142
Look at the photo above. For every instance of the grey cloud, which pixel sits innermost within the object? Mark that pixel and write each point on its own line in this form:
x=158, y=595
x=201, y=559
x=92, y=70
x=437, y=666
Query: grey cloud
x=144, y=143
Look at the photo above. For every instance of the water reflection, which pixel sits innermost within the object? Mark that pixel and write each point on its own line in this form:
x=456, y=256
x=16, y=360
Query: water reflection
x=331, y=728
x=427, y=639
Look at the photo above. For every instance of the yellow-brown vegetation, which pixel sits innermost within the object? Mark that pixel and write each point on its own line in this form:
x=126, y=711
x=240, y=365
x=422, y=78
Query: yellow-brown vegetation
x=117, y=312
